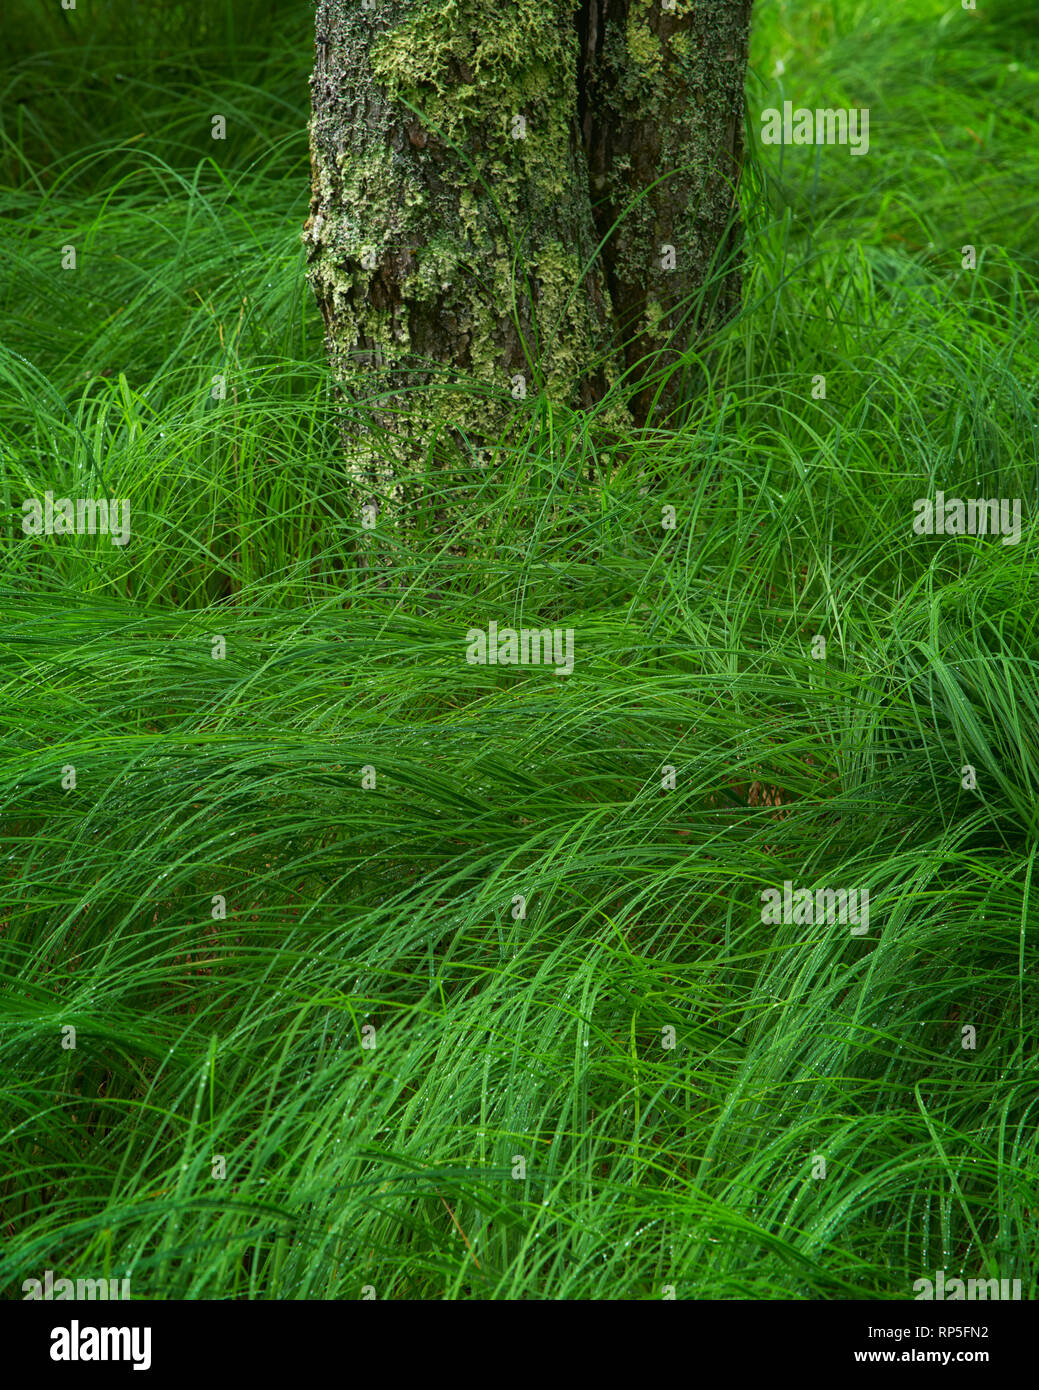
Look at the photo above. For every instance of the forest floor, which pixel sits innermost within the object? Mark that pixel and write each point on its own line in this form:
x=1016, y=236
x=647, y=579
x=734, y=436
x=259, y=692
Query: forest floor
x=451, y=980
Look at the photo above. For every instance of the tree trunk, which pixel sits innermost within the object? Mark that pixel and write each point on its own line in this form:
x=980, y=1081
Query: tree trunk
x=663, y=117
x=469, y=157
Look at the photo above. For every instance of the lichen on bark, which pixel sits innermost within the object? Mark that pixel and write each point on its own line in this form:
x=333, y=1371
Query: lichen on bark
x=664, y=138
x=468, y=157
x=447, y=240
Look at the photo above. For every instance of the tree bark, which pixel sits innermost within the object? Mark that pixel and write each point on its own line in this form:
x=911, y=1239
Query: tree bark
x=662, y=124
x=469, y=157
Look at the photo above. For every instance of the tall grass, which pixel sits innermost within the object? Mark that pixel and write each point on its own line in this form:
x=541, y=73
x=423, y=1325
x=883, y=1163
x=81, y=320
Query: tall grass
x=223, y=912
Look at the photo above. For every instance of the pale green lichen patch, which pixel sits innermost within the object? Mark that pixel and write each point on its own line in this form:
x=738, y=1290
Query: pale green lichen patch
x=446, y=231
x=566, y=344
x=478, y=222
x=470, y=72
x=645, y=49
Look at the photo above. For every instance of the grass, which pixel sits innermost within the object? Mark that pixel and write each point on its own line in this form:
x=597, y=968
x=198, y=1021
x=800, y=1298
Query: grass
x=223, y=912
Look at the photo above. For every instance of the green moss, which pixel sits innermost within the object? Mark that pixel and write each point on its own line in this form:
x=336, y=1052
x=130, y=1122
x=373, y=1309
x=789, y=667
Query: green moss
x=644, y=47
x=456, y=188
x=565, y=343
x=469, y=71
x=480, y=238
